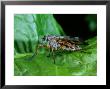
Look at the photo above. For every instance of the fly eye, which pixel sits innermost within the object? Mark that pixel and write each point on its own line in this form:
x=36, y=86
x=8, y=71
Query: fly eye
x=45, y=39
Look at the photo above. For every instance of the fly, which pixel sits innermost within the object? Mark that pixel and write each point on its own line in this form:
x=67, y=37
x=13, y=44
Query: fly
x=53, y=43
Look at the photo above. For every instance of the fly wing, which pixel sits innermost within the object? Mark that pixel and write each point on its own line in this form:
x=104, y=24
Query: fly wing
x=75, y=39
x=79, y=41
x=70, y=38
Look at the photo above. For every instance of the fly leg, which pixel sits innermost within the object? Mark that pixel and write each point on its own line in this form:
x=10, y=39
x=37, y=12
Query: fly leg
x=35, y=53
x=53, y=55
x=49, y=52
x=37, y=47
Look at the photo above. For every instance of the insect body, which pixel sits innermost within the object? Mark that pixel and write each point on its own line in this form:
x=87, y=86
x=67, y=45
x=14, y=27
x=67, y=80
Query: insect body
x=60, y=43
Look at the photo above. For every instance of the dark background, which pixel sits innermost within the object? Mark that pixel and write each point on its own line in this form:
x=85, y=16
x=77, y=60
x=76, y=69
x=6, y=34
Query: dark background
x=78, y=24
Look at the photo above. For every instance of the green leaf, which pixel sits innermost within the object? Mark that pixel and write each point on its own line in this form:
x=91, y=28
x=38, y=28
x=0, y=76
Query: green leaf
x=92, y=22
x=28, y=29
x=77, y=63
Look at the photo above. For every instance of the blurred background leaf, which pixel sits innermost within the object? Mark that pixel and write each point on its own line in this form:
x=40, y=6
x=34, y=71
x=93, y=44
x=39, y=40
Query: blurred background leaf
x=92, y=22
x=28, y=29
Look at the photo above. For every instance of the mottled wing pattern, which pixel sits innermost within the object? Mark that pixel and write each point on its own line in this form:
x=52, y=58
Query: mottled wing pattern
x=63, y=43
